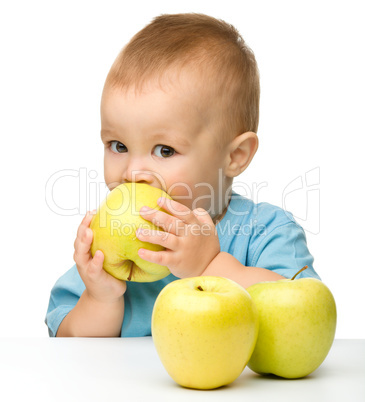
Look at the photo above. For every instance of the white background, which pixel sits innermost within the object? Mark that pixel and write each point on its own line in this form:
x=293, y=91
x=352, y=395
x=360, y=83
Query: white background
x=55, y=56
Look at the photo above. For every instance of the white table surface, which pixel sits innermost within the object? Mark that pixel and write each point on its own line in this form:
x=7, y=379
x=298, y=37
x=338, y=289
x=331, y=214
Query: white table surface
x=128, y=369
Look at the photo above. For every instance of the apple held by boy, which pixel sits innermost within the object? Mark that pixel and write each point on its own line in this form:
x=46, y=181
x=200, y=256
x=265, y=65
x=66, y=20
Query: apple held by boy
x=297, y=320
x=204, y=329
x=114, y=227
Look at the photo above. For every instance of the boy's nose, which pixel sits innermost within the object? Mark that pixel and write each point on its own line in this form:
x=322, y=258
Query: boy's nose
x=140, y=176
x=134, y=174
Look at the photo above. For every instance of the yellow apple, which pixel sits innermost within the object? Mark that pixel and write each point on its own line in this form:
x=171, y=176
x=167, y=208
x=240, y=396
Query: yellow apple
x=204, y=330
x=114, y=227
x=297, y=326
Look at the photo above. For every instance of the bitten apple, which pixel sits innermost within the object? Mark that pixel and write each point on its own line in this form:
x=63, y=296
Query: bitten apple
x=114, y=227
x=297, y=326
x=204, y=330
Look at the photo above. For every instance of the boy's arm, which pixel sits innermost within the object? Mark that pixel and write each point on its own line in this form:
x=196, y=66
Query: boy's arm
x=224, y=264
x=100, y=309
x=92, y=318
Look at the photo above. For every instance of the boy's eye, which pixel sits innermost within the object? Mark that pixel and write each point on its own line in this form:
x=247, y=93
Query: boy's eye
x=163, y=151
x=118, y=147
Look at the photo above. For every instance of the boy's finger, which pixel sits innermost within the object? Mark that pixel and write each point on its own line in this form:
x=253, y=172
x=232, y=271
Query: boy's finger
x=167, y=222
x=82, y=246
x=86, y=239
x=157, y=257
x=159, y=237
x=85, y=223
x=202, y=215
x=96, y=264
x=97, y=261
x=177, y=209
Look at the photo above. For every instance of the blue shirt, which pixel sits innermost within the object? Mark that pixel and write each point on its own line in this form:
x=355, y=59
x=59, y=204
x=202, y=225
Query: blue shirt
x=258, y=235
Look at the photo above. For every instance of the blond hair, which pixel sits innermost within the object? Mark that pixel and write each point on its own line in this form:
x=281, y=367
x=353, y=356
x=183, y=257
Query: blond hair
x=210, y=46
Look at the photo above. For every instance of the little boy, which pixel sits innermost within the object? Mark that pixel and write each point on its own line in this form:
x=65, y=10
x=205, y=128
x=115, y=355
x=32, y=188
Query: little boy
x=179, y=111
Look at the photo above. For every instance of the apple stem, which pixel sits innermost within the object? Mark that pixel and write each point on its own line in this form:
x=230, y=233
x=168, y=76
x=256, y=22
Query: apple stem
x=130, y=273
x=301, y=270
x=200, y=288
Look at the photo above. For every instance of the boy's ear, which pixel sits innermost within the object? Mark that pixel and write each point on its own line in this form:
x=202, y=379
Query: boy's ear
x=241, y=151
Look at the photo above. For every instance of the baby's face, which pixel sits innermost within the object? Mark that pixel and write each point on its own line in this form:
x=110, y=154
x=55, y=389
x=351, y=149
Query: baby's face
x=167, y=138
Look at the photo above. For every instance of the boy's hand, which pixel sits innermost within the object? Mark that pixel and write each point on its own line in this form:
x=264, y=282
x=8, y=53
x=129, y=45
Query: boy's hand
x=189, y=237
x=99, y=284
